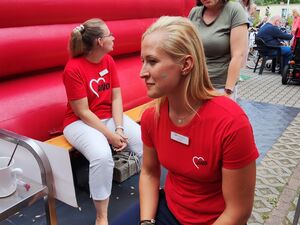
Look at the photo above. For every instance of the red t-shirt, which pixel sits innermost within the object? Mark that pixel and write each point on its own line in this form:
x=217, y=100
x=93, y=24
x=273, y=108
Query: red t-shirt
x=221, y=136
x=92, y=80
x=296, y=36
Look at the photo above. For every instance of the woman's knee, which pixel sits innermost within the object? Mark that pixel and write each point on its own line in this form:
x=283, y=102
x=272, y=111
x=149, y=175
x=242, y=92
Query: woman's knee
x=103, y=160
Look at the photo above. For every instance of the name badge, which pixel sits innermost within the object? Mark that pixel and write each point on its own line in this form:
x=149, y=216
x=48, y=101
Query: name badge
x=103, y=72
x=179, y=138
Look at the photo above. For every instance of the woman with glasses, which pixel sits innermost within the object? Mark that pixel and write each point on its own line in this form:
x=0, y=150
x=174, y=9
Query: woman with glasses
x=94, y=118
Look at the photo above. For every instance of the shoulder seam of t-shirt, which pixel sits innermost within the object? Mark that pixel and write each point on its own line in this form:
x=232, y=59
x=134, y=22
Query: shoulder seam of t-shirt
x=234, y=7
x=215, y=101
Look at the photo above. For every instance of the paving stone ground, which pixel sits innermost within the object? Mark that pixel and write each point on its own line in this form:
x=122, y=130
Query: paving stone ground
x=278, y=174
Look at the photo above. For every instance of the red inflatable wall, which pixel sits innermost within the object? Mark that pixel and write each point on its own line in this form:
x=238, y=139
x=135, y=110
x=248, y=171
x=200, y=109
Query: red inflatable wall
x=33, y=45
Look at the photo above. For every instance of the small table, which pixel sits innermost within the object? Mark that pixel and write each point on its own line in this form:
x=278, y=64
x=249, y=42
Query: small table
x=21, y=198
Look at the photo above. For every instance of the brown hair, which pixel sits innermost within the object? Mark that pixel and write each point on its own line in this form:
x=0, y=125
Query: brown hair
x=83, y=37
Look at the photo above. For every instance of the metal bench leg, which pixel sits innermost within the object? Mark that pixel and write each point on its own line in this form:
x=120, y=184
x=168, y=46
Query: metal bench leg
x=50, y=209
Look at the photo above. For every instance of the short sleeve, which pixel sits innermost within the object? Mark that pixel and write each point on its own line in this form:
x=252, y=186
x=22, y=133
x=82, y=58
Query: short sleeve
x=238, y=145
x=74, y=85
x=194, y=14
x=147, y=127
x=239, y=16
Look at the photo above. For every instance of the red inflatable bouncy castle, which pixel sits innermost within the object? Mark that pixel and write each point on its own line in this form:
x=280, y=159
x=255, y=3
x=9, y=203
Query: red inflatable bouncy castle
x=33, y=45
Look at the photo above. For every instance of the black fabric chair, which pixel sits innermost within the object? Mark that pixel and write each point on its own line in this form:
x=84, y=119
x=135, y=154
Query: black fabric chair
x=267, y=52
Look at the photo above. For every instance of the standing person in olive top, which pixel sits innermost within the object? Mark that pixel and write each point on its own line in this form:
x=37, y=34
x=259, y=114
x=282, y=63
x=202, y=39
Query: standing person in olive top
x=223, y=26
x=94, y=118
x=204, y=140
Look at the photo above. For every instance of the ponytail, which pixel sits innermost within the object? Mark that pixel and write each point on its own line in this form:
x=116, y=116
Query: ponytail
x=83, y=37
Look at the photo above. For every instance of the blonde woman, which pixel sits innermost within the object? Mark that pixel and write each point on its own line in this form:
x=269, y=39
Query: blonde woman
x=202, y=138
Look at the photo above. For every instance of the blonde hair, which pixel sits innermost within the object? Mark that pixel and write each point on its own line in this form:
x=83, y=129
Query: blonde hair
x=182, y=39
x=83, y=37
x=295, y=13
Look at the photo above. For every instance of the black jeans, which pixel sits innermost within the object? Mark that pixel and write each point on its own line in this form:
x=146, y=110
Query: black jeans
x=164, y=215
x=132, y=214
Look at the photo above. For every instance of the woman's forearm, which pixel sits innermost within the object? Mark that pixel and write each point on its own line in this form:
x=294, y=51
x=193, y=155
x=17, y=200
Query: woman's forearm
x=229, y=219
x=117, y=107
x=238, y=50
x=149, y=195
x=234, y=71
x=92, y=120
x=238, y=187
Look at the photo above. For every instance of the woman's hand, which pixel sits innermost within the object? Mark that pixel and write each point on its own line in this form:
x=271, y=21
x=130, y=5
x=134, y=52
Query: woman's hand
x=118, y=140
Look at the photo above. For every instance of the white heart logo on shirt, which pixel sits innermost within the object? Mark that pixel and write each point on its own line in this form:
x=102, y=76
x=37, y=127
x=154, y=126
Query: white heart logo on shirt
x=97, y=82
x=198, y=161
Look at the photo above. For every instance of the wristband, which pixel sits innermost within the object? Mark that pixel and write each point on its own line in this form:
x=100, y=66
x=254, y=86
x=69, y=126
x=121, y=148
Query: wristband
x=147, y=222
x=228, y=91
x=119, y=127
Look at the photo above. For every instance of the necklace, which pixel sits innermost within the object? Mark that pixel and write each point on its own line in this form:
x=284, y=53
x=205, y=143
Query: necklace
x=181, y=119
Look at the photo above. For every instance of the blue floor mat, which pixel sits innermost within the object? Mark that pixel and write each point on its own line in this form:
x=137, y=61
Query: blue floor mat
x=268, y=122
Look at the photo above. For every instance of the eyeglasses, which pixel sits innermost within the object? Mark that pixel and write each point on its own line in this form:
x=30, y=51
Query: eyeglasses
x=108, y=35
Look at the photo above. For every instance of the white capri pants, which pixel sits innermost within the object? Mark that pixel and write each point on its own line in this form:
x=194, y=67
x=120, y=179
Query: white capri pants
x=96, y=149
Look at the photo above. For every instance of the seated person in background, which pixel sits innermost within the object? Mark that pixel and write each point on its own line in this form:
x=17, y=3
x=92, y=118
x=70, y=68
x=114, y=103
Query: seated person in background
x=272, y=35
x=94, y=118
x=203, y=139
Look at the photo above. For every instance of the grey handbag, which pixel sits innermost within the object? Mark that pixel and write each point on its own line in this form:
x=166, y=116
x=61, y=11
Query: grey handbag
x=127, y=164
